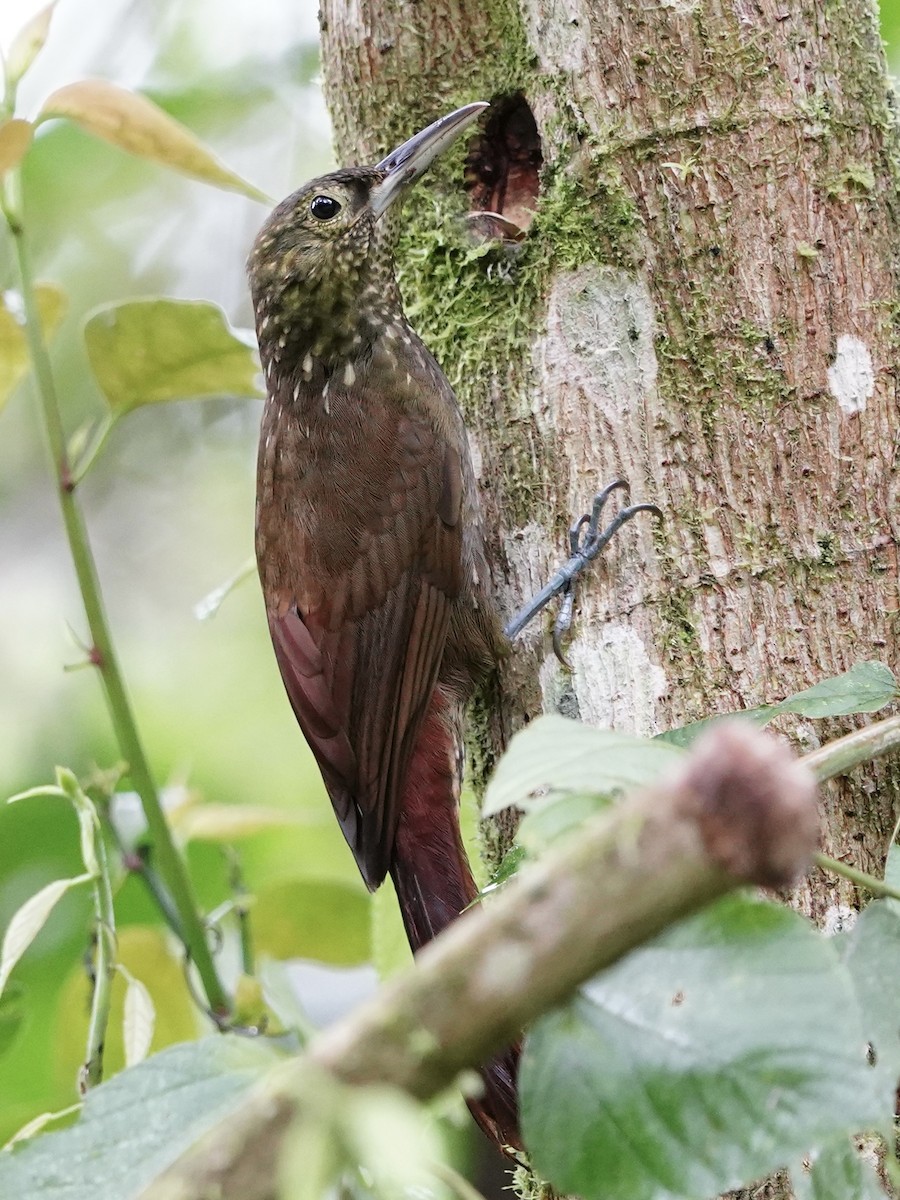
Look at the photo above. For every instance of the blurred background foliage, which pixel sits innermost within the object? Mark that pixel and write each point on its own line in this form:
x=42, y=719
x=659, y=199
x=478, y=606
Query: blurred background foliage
x=170, y=513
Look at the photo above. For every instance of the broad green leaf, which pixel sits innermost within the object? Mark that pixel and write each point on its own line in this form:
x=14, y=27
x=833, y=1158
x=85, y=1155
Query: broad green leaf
x=135, y=1126
x=553, y=755
x=28, y=921
x=28, y=43
x=15, y=138
x=14, y=358
x=556, y=817
x=865, y=688
x=229, y=822
x=892, y=871
x=837, y=1172
x=12, y=1014
x=139, y=1020
x=137, y=125
x=156, y=350
x=316, y=919
x=872, y=955
x=712, y=1056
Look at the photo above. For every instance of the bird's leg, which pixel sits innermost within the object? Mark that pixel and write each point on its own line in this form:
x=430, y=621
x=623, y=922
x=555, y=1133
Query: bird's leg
x=586, y=540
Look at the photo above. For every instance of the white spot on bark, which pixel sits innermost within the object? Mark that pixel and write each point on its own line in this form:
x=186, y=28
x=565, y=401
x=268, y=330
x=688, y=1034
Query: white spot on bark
x=597, y=373
x=851, y=379
x=838, y=919
x=616, y=682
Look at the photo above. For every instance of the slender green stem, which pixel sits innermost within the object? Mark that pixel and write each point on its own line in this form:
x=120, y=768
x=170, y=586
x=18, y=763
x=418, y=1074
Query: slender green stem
x=871, y=883
x=167, y=861
x=839, y=757
x=845, y=753
x=104, y=969
x=241, y=911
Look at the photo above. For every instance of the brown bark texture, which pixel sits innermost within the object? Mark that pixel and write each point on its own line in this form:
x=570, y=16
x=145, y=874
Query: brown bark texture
x=705, y=303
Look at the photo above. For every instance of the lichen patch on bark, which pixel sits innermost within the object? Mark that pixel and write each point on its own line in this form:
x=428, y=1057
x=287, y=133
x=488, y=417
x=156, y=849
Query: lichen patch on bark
x=851, y=379
x=616, y=680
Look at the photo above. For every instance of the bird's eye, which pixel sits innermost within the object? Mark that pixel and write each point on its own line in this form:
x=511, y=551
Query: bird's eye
x=323, y=208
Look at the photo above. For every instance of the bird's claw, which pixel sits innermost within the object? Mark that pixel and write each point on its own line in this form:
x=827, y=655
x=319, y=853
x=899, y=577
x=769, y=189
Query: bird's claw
x=586, y=540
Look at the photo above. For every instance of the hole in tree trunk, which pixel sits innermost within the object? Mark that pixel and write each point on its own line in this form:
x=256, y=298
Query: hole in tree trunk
x=503, y=170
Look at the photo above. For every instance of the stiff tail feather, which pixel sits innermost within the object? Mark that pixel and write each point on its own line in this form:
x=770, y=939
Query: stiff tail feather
x=434, y=884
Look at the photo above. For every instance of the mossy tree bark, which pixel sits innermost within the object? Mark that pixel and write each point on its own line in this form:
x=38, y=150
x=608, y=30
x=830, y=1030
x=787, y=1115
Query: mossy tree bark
x=705, y=303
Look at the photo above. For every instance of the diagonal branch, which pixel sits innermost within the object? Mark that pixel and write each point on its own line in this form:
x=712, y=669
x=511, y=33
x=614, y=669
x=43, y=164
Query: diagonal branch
x=741, y=810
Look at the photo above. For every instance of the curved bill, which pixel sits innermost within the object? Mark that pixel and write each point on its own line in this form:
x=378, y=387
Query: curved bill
x=408, y=162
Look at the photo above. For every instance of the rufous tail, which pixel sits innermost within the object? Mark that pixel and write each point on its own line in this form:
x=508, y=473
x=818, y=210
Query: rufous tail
x=434, y=886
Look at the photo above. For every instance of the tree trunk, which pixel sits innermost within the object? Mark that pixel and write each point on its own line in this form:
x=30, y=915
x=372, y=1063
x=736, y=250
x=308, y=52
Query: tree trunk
x=705, y=304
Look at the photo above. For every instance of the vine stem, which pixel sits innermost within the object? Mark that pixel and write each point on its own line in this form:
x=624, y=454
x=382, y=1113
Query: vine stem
x=167, y=860
x=839, y=757
x=104, y=969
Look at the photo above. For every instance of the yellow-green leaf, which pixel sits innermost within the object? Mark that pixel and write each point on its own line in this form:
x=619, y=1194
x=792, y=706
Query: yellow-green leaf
x=15, y=138
x=14, y=359
x=156, y=350
x=39, y=1124
x=28, y=43
x=138, y=1022
x=134, y=123
x=228, y=822
x=28, y=921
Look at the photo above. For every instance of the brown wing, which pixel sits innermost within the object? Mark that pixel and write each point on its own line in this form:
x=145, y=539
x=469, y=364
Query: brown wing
x=359, y=543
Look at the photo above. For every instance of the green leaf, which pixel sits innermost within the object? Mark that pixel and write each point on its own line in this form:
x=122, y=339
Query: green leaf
x=134, y=1127
x=872, y=955
x=157, y=350
x=37, y=1124
x=28, y=921
x=14, y=357
x=554, y=755
x=865, y=688
x=27, y=44
x=137, y=125
x=139, y=1020
x=15, y=138
x=708, y=1058
x=837, y=1172
x=209, y=822
x=555, y=818
x=317, y=919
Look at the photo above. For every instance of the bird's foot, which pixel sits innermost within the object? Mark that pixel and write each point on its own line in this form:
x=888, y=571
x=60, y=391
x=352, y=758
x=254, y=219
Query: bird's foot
x=586, y=540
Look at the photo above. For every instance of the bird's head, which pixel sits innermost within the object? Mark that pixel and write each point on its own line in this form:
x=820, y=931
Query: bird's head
x=321, y=269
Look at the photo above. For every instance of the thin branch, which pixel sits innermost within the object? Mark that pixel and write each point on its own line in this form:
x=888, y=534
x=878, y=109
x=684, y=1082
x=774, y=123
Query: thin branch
x=167, y=860
x=861, y=746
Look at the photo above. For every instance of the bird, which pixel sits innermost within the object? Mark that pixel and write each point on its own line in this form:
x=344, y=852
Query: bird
x=370, y=544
